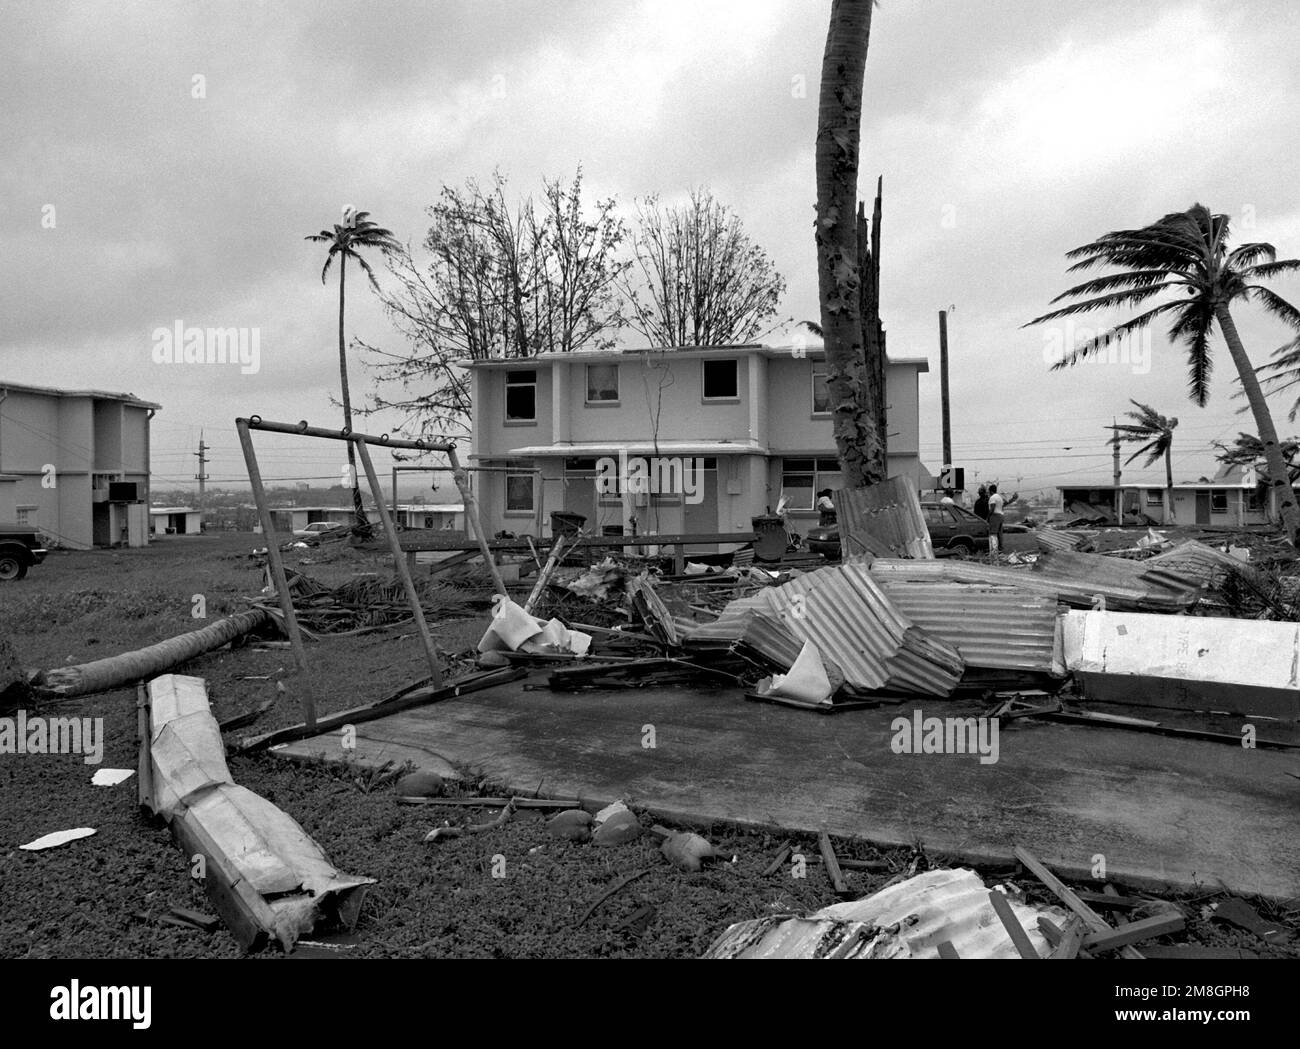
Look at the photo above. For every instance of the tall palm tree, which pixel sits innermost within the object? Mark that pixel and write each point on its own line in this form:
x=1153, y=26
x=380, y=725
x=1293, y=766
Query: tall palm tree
x=1156, y=435
x=839, y=125
x=356, y=232
x=1187, y=252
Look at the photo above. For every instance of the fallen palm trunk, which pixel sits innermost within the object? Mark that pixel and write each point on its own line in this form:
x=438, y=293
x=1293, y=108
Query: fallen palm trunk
x=130, y=667
x=264, y=875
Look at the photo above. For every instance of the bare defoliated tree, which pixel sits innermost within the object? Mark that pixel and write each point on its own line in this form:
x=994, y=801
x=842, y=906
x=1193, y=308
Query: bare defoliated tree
x=498, y=282
x=839, y=120
x=697, y=278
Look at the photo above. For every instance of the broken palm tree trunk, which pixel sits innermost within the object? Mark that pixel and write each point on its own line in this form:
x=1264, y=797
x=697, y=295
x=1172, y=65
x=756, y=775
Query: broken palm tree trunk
x=130, y=667
x=264, y=875
x=884, y=520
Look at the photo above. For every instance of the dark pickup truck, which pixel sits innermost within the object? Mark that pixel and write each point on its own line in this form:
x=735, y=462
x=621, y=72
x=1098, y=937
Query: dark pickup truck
x=20, y=548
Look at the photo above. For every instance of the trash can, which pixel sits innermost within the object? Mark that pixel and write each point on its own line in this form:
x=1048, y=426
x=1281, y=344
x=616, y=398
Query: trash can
x=770, y=539
x=564, y=522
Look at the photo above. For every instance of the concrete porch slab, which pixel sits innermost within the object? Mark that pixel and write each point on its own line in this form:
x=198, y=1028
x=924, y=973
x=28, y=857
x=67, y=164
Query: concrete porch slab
x=1164, y=813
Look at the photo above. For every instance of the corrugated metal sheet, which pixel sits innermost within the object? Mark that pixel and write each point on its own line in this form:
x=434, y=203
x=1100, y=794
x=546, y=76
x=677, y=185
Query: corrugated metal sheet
x=1000, y=627
x=1055, y=539
x=1077, y=592
x=773, y=644
x=1197, y=561
x=1151, y=589
x=842, y=611
x=907, y=920
x=884, y=519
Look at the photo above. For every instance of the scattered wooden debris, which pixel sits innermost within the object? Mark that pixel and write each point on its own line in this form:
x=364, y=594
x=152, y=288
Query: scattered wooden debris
x=838, y=883
x=1012, y=924
x=1134, y=932
x=1091, y=918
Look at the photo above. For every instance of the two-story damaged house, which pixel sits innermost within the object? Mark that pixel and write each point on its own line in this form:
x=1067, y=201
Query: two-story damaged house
x=696, y=440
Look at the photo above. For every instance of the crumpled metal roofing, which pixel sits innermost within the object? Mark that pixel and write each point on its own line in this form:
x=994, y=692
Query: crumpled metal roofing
x=1056, y=539
x=1195, y=560
x=884, y=519
x=842, y=611
x=1075, y=588
x=907, y=920
x=1151, y=589
x=1001, y=627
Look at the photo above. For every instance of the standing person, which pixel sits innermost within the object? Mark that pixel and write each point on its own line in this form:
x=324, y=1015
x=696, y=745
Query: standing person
x=981, y=507
x=996, y=502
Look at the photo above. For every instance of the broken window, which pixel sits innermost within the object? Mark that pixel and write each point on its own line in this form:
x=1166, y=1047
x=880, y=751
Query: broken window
x=521, y=396
x=720, y=381
x=602, y=383
x=1218, y=501
x=1155, y=497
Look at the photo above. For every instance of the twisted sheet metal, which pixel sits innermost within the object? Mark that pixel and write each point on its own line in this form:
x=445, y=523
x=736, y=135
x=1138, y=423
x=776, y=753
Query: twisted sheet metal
x=842, y=611
x=1158, y=589
x=1000, y=627
x=907, y=920
x=1075, y=590
x=884, y=519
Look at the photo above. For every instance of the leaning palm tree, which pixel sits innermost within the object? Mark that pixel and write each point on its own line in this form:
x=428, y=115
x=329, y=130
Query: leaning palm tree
x=356, y=231
x=1187, y=252
x=1248, y=450
x=1156, y=435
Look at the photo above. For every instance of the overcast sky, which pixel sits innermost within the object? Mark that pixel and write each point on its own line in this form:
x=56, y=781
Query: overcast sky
x=1007, y=132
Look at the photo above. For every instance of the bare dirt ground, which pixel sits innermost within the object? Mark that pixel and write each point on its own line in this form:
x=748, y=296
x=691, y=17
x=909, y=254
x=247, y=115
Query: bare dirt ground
x=100, y=897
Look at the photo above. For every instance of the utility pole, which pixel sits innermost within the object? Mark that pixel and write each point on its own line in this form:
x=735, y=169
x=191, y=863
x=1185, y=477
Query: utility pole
x=1119, y=497
x=943, y=389
x=202, y=475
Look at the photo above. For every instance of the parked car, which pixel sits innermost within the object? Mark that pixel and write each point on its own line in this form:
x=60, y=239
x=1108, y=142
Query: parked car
x=951, y=528
x=319, y=530
x=20, y=548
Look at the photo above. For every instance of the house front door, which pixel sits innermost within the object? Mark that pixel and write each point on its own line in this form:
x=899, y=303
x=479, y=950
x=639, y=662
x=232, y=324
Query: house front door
x=1203, y=508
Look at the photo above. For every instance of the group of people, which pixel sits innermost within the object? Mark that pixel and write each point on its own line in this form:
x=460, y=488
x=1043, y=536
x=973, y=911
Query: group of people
x=989, y=505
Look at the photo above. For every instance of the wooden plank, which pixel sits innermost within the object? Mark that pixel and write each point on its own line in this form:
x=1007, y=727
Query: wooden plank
x=544, y=576
x=413, y=541
x=832, y=866
x=1092, y=919
x=144, y=767
x=1011, y=923
x=1134, y=932
x=1110, y=892
x=404, y=700
x=783, y=854
x=1071, y=940
x=1055, y=936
